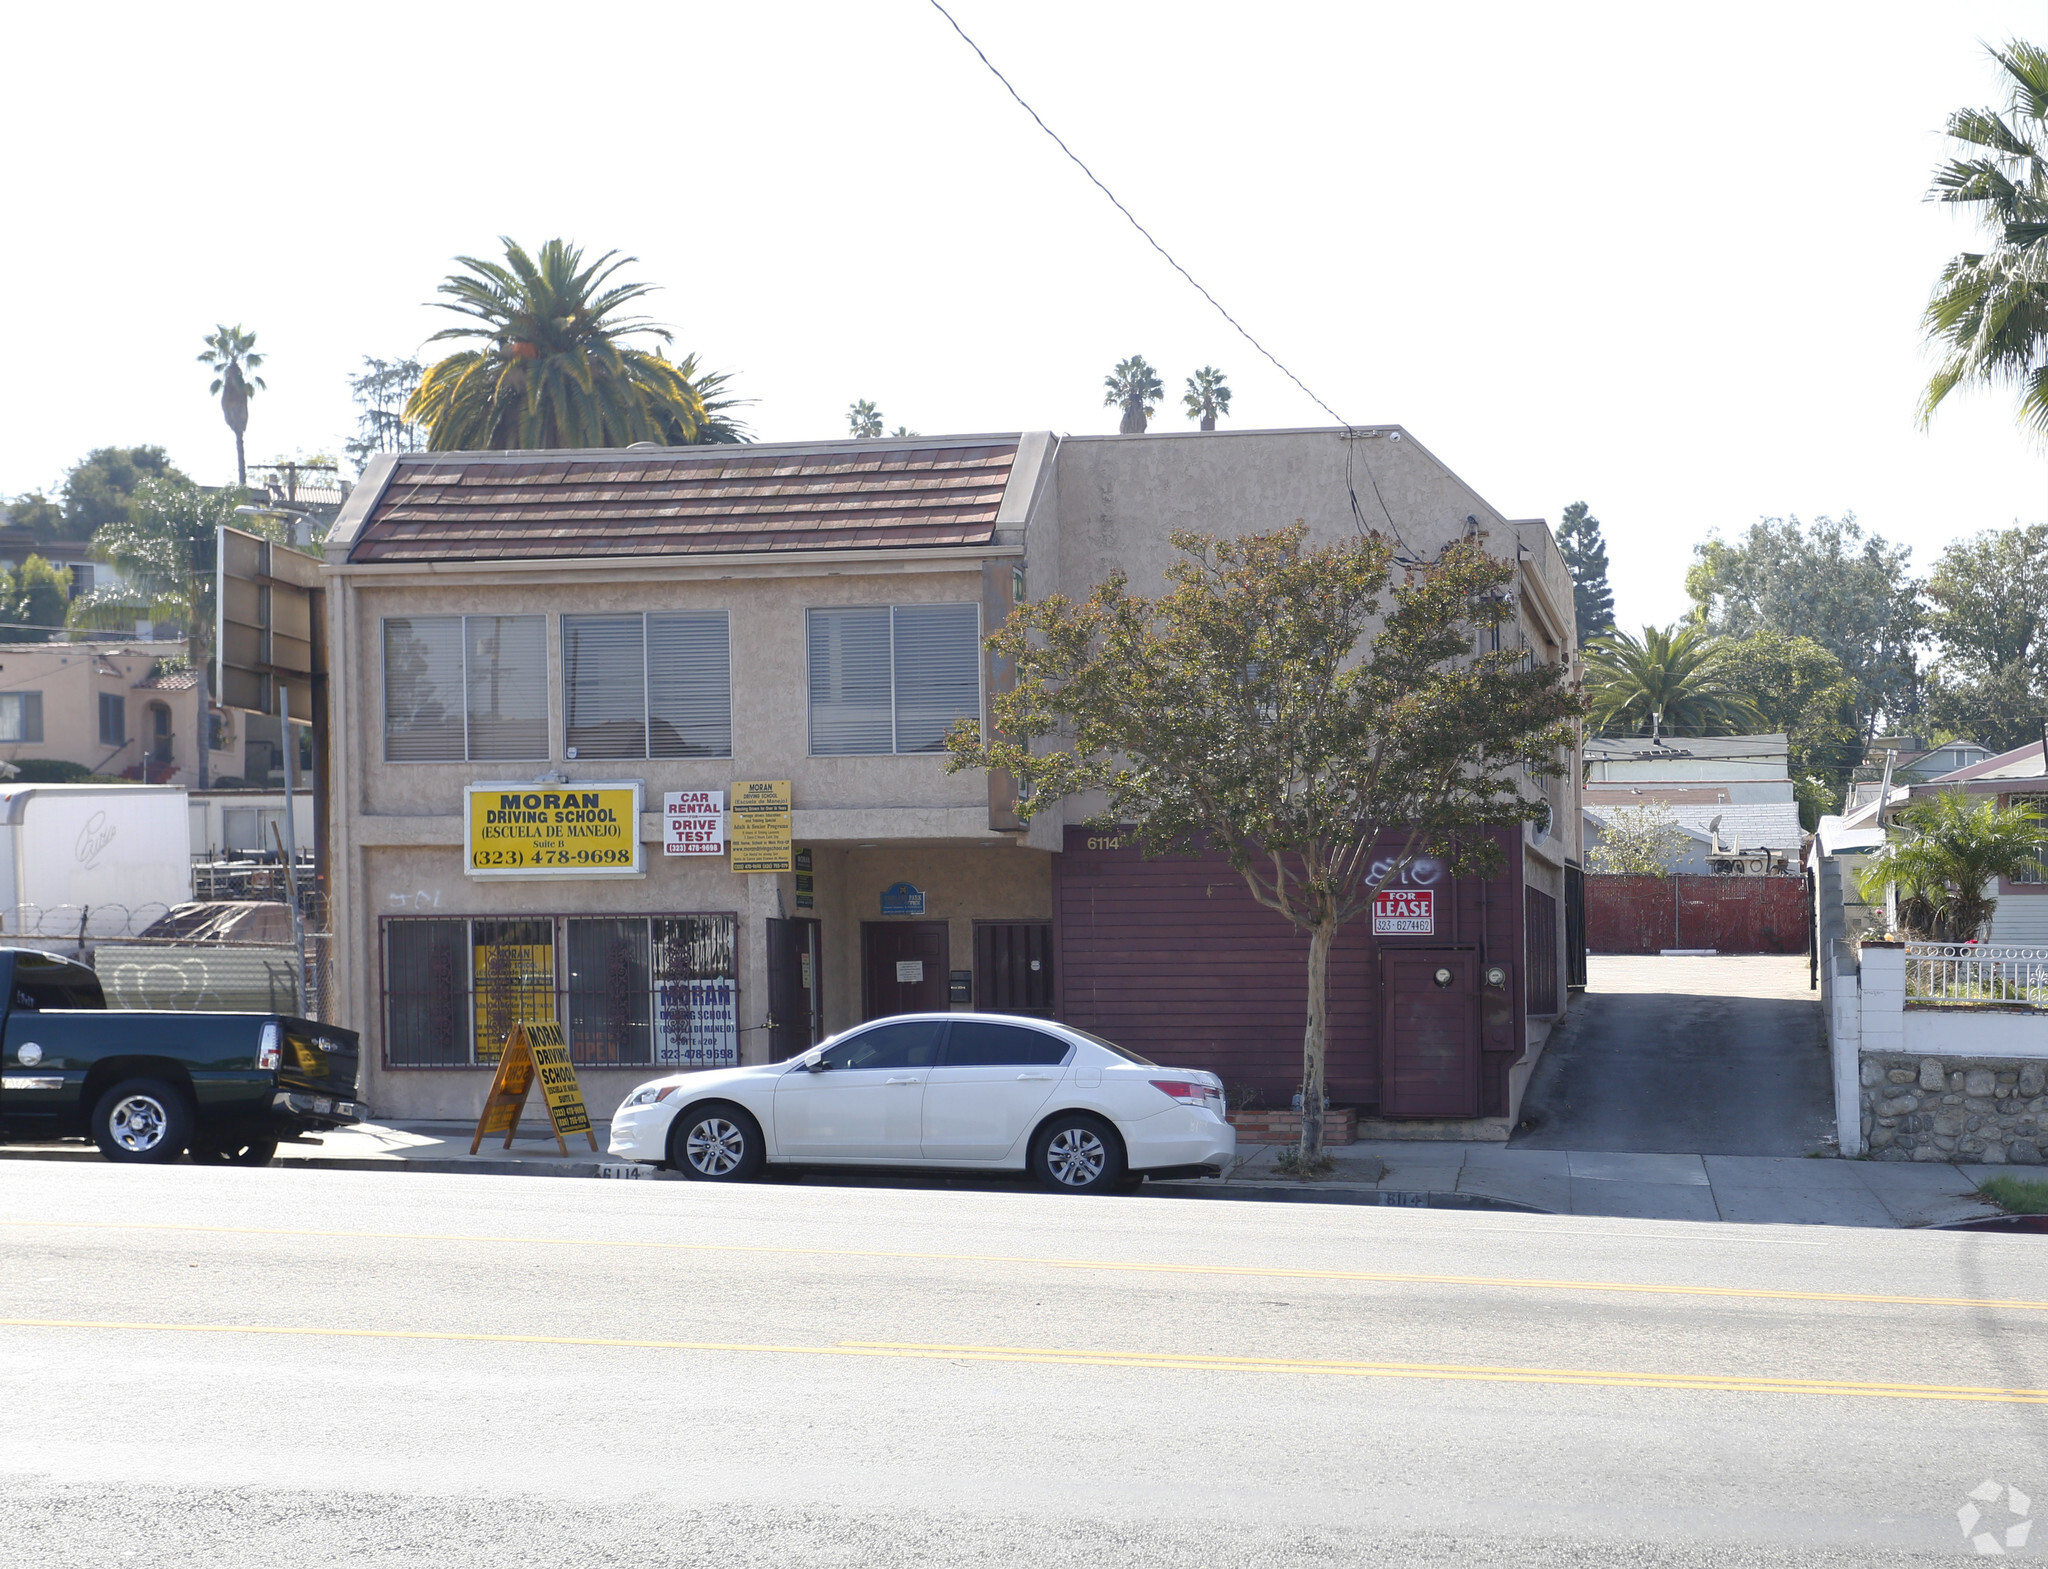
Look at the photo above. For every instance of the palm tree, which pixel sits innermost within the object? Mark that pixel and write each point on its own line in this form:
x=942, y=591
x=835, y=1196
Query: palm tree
x=1207, y=396
x=865, y=420
x=1989, y=313
x=231, y=355
x=1135, y=386
x=1954, y=853
x=552, y=371
x=905, y=430
x=1667, y=682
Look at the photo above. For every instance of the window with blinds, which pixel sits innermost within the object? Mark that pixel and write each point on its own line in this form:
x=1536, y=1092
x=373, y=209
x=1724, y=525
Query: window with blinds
x=654, y=685
x=465, y=687
x=892, y=678
x=2038, y=873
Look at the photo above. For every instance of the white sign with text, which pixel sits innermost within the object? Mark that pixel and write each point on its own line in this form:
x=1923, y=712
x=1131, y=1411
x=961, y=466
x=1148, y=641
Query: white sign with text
x=693, y=822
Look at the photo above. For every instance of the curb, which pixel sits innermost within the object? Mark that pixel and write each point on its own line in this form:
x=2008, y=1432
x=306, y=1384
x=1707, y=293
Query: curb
x=1290, y=1193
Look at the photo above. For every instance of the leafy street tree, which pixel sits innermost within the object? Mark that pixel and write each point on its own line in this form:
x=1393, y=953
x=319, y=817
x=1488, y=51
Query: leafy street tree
x=1852, y=595
x=552, y=370
x=1585, y=558
x=1988, y=595
x=1798, y=687
x=1953, y=850
x=1135, y=388
x=33, y=596
x=96, y=491
x=1207, y=396
x=167, y=549
x=1667, y=682
x=1640, y=841
x=864, y=420
x=231, y=355
x=380, y=395
x=1988, y=317
x=1300, y=711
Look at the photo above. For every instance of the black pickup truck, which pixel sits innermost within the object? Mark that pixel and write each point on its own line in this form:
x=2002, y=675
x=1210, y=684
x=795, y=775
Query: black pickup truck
x=150, y=1086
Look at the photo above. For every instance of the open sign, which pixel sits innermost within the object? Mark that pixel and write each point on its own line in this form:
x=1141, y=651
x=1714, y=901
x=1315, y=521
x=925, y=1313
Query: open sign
x=1404, y=912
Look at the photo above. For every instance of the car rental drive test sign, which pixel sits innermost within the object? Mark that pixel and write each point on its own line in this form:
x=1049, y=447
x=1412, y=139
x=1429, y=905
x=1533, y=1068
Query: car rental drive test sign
x=1404, y=912
x=577, y=830
x=693, y=822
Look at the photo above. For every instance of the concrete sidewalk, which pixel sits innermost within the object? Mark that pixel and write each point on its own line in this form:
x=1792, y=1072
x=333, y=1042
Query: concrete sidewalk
x=1757, y=1188
x=1762, y=1189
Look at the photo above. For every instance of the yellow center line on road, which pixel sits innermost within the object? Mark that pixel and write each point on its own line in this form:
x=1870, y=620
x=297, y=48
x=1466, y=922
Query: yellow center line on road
x=1130, y=1266
x=1164, y=1361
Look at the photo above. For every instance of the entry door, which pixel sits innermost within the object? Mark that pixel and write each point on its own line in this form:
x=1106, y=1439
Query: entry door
x=1013, y=967
x=903, y=968
x=1429, y=1046
x=865, y=1102
x=795, y=1014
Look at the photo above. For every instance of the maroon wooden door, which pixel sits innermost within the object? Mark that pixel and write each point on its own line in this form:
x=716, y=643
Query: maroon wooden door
x=902, y=968
x=1429, y=1052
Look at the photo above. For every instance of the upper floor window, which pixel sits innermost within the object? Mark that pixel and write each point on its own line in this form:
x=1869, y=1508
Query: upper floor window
x=654, y=685
x=2039, y=871
x=468, y=688
x=892, y=678
x=21, y=716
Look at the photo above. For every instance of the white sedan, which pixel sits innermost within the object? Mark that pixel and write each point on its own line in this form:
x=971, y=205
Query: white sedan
x=987, y=1092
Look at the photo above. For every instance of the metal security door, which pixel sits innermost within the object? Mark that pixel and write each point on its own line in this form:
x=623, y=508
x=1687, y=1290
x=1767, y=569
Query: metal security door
x=1429, y=1053
x=1013, y=967
x=903, y=968
x=795, y=1009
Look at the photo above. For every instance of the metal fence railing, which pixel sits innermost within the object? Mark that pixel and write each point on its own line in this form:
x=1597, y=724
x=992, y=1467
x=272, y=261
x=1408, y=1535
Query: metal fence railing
x=1978, y=974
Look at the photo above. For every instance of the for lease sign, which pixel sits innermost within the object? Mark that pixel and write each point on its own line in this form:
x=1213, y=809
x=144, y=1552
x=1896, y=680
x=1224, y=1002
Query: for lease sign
x=1404, y=912
x=693, y=822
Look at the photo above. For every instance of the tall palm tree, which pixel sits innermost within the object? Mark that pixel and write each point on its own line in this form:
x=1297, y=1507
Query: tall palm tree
x=865, y=420
x=552, y=371
x=1207, y=396
x=1134, y=386
x=1667, y=682
x=1953, y=852
x=1989, y=313
x=231, y=355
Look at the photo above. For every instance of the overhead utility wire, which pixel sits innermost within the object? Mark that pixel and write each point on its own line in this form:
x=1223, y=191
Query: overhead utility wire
x=1120, y=207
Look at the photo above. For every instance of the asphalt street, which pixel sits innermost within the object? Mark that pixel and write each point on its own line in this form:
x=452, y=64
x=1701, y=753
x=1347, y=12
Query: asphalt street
x=283, y=1368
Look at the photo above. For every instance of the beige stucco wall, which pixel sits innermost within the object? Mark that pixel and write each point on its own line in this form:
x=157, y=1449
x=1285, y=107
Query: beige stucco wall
x=1077, y=509
x=71, y=678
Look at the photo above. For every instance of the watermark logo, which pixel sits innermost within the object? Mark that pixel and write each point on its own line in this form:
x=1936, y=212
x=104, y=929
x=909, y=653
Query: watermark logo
x=2018, y=1510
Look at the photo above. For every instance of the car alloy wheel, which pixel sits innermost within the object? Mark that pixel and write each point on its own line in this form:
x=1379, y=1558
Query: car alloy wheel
x=715, y=1147
x=1076, y=1156
x=138, y=1123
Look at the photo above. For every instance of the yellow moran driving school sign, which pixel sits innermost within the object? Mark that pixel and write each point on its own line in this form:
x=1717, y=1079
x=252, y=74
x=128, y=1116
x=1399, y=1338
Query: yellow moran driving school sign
x=578, y=830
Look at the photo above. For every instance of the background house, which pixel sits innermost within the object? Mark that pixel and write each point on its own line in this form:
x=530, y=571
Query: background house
x=1731, y=796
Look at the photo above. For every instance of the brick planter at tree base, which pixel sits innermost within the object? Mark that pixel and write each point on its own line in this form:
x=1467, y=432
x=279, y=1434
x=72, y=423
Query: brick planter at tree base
x=1340, y=1126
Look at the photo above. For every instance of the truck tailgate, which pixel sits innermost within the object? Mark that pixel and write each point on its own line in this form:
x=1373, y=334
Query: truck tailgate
x=318, y=1059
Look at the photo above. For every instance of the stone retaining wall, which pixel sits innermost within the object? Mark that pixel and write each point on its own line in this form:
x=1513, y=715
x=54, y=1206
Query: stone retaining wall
x=1987, y=1109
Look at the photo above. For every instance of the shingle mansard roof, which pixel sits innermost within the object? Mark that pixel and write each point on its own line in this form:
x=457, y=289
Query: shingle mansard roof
x=685, y=501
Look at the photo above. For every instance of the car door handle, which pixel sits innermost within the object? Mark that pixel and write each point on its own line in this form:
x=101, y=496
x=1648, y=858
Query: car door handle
x=903, y=1081
x=1038, y=1078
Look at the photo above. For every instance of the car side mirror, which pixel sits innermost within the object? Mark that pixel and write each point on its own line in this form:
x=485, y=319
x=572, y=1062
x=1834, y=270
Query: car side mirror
x=815, y=1065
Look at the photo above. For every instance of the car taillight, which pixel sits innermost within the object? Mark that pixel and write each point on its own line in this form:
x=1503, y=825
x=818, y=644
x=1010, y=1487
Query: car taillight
x=1189, y=1093
x=270, y=1049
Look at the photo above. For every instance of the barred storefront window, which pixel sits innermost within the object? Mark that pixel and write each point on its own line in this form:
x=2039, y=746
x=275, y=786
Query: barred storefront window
x=631, y=991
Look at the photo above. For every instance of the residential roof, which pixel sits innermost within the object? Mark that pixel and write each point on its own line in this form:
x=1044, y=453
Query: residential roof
x=2021, y=762
x=1641, y=749
x=493, y=506
x=172, y=681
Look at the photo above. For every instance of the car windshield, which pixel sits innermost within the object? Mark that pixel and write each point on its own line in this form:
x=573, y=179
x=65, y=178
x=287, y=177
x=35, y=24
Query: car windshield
x=1124, y=1052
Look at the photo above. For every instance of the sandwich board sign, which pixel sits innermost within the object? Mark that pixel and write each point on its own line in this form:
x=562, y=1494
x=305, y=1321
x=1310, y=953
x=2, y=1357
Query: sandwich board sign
x=535, y=1052
x=1404, y=912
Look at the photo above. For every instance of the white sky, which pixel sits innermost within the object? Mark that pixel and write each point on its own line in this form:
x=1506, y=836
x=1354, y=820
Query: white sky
x=1666, y=259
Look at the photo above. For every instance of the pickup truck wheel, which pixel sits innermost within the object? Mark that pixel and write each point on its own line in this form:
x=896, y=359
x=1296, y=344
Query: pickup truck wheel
x=716, y=1142
x=142, y=1120
x=257, y=1152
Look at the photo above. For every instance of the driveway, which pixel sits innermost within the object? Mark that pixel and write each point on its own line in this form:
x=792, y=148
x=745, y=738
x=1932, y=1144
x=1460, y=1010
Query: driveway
x=1694, y=1056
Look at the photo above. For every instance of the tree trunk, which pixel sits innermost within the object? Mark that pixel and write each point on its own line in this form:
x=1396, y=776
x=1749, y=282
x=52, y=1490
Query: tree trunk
x=241, y=464
x=195, y=656
x=1315, y=1038
x=1209, y=421
x=1134, y=418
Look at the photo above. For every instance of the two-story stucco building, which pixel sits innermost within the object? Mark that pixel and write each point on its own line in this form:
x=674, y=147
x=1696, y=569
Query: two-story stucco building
x=691, y=619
